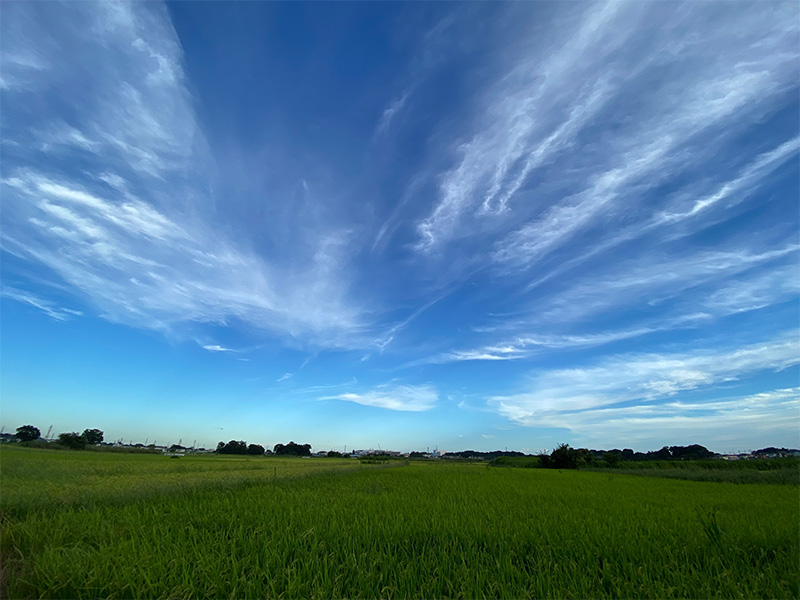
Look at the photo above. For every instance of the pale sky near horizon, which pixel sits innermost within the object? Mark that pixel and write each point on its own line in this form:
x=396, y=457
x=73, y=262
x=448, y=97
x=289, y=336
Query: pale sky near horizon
x=463, y=225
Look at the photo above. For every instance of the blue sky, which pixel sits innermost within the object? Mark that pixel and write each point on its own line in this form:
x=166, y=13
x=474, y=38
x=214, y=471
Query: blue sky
x=471, y=226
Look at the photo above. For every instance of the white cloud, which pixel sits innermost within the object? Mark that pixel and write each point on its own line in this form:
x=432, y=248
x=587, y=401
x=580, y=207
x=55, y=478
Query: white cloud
x=584, y=124
x=724, y=424
x=391, y=113
x=752, y=175
x=643, y=161
x=216, y=348
x=284, y=377
x=520, y=131
x=652, y=279
x=55, y=312
x=141, y=267
x=524, y=346
x=411, y=398
x=685, y=209
x=691, y=291
x=135, y=231
x=554, y=396
x=511, y=351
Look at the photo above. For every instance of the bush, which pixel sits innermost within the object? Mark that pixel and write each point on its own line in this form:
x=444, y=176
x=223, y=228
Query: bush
x=72, y=440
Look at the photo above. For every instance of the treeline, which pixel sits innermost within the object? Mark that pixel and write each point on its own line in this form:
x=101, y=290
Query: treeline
x=691, y=452
x=564, y=456
x=241, y=447
x=474, y=455
x=29, y=435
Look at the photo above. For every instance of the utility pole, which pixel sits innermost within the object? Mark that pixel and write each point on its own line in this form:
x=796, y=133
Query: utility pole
x=47, y=437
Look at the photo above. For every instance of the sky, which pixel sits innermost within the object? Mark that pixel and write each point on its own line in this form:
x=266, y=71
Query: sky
x=402, y=225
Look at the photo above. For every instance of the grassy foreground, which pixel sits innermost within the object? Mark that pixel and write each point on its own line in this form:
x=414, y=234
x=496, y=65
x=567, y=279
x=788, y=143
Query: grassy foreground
x=260, y=527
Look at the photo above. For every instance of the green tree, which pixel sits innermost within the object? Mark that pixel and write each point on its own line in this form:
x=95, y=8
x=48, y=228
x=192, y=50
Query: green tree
x=72, y=440
x=564, y=457
x=544, y=460
x=28, y=433
x=92, y=436
x=256, y=449
x=232, y=447
x=293, y=449
x=612, y=457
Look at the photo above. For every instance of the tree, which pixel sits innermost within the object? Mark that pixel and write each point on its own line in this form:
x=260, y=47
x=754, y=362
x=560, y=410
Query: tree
x=72, y=440
x=612, y=457
x=256, y=449
x=692, y=452
x=564, y=457
x=92, y=436
x=293, y=449
x=28, y=433
x=232, y=447
x=663, y=454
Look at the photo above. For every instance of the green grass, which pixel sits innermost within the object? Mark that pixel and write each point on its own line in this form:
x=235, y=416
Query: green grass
x=37, y=479
x=424, y=530
x=782, y=471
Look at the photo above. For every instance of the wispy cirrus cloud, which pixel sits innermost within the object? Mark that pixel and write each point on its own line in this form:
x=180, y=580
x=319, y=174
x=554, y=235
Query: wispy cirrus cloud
x=662, y=147
x=641, y=380
x=534, y=156
x=525, y=346
x=217, y=348
x=141, y=267
x=601, y=156
x=690, y=292
x=677, y=219
x=59, y=313
x=647, y=281
x=405, y=398
x=391, y=112
x=728, y=423
x=135, y=231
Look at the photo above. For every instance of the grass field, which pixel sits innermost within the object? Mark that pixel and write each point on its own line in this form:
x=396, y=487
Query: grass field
x=773, y=470
x=88, y=525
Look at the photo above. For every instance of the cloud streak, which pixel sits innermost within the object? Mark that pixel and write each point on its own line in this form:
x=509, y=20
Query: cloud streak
x=643, y=379
x=731, y=423
x=54, y=312
x=404, y=398
x=134, y=231
x=533, y=156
